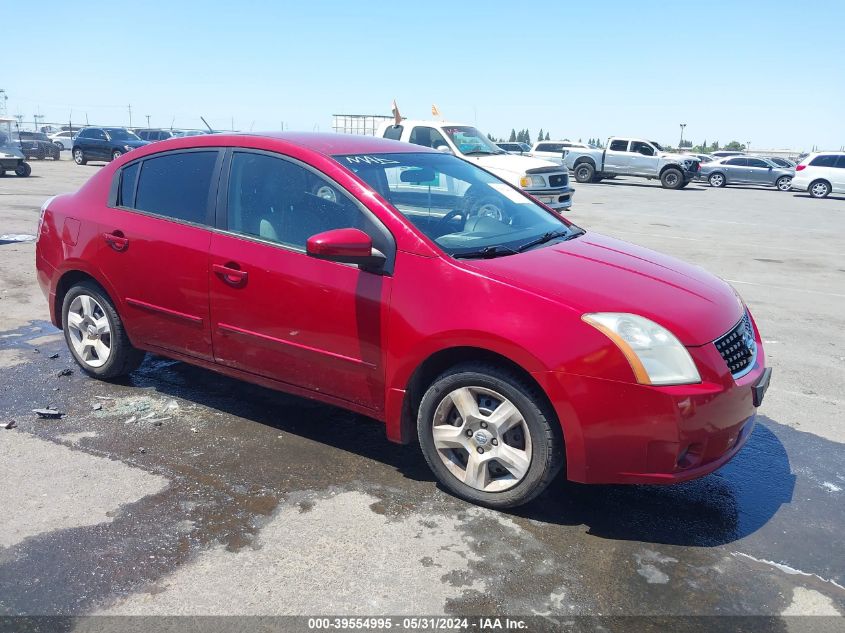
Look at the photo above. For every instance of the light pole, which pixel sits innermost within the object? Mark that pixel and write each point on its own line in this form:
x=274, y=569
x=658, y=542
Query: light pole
x=148, y=121
x=681, y=144
x=747, y=146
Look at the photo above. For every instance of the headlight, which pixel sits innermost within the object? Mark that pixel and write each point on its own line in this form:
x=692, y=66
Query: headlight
x=531, y=181
x=655, y=355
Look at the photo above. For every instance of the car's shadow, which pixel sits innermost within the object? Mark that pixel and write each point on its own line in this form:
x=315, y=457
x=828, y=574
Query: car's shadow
x=829, y=197
x=618, y=182
x=728, y=505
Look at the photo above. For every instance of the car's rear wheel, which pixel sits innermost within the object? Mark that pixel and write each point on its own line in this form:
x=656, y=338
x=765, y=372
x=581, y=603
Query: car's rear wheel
x=23, y=170
x=819, y=189
x=489, y=436
x=79, y=156
x=784, y=183
x=584, y=172
x=116, y=154
x=672, y=178
x=716, y=180
x=94, y=333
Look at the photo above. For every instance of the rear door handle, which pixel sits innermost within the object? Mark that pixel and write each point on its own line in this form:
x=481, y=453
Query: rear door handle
x=231, y=274
x=116, y=240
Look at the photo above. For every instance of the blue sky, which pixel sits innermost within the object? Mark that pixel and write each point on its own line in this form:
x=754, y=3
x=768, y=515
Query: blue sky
x=769, y=72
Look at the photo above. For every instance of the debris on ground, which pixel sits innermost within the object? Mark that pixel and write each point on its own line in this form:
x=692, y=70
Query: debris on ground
x=67, y=371
x=104, y=398
x=194, y=429
x=96, y=406
x=142, y=450
x=131, y=420
x=54, y=356
x=48, y=413
x=10, y=425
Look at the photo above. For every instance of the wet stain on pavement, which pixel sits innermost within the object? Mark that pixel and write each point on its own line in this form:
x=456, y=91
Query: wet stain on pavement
x=237, y=454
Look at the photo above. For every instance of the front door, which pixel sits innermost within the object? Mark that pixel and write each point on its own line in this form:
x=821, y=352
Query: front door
x=759, y=172
x=279, y=313
x=642, y=160
x=155, y=251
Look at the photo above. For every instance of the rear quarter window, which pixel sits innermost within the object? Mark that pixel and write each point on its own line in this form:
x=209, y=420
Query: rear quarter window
x=177, y=185
x=825, y=160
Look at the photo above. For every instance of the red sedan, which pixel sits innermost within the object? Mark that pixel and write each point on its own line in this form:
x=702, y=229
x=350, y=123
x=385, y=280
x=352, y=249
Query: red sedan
x=415, y=288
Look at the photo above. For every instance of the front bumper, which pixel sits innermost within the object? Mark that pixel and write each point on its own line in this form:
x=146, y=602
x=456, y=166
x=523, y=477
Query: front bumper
x=627, y=433
x=558, y=199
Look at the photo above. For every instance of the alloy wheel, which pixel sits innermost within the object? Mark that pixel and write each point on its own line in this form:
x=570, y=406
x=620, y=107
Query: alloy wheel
x=482, y=439
x=784, y=183
x=819, y=189
x=89, y=331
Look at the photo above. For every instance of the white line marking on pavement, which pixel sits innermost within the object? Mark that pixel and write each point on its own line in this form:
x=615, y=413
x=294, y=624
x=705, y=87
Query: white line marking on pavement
x=815, y=292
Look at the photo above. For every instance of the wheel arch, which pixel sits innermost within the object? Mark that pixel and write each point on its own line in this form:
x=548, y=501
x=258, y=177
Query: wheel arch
x=584, y=159
x=671, y=166
x=67, y=280
x=401, y=427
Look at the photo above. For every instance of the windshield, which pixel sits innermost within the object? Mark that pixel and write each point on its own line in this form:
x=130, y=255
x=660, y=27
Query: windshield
x=465, y=210
x=119, y=134
x=470, y=141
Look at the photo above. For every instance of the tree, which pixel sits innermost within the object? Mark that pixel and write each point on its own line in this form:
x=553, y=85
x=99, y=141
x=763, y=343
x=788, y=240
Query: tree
x=547, y=136
x=527, y=136
x=540, y=135
x=491, y=137
x=512, y=137
x=735, y=146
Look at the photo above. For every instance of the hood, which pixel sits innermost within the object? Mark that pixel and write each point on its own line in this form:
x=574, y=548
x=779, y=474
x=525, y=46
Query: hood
x=512, y=163
x=596, y=273
x=9, y=151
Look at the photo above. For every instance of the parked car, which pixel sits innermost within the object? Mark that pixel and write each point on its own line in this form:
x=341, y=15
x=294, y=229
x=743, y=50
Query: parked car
x=104, y=143
x=523, y=149
x=541, y=178
x=63, y=140
x=632, y=157
x=724, y=153
x=781, y=162
x=704, y=158
x=181, y=133
x=11, y=156
x=356, y=271
x=36, y=145
x=820, y=174
x=154, y=135
x=554, y=151
x=747, y=170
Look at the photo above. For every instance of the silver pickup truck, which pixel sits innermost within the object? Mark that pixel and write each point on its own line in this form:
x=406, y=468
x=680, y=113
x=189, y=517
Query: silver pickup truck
x=632, y=157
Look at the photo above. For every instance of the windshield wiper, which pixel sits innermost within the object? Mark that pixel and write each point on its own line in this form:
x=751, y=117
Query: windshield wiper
x=547, y=237
x=480, y=151
x=488, y=252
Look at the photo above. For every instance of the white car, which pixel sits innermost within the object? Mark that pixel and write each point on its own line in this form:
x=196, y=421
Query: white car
x=554, y=151
x=820, y=174
x=64, y=140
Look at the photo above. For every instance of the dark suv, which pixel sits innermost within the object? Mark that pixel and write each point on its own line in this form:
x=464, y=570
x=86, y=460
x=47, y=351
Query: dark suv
x=37, y=145
x=104, y=143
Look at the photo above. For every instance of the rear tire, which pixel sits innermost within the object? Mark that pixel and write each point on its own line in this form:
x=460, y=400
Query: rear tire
x=95, y=334
x=672, y=178
x=717, y=180
x=819, y=189
x=514, y=448
x=584, y=172
x=784, y=183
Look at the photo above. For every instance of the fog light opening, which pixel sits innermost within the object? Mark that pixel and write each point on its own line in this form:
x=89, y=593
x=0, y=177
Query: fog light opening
x=690, y=456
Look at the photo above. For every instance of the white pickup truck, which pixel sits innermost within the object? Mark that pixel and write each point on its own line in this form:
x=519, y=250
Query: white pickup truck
x=632, y=157
x=546, y=181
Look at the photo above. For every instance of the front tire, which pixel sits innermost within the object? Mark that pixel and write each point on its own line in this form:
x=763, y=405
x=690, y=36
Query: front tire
x=489, y=436
x=95, y=335
x=672, y=178
x=717, y=180
x=584, y=172
x=116, y=154
x=23, y=170
x=784, y=183
x=79, y=156
x=819, y=189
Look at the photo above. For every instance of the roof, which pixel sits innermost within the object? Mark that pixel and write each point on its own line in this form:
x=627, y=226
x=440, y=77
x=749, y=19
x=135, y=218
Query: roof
x=331, y=143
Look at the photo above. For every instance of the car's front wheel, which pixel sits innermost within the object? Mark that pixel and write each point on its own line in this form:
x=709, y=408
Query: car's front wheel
x=784, y=183
x=23, y=170
x=95, y=334
x=672, y=178
x=820, y=189
x=116, y=154
x=489, y=436
x=79, y=156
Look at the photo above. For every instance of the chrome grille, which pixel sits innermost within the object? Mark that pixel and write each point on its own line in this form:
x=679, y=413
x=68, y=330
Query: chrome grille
x=738, y=348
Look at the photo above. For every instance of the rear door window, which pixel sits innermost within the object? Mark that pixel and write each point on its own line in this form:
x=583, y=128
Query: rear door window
x=618, y=145
x=824, y=160
x=756, y=162
x=737, y=162
x=840, y=161
x=126, y=192
x=177, y=185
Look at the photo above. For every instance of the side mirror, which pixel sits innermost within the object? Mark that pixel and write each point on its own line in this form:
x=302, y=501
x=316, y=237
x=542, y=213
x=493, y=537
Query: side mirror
x=349, y=246
x=445, y=149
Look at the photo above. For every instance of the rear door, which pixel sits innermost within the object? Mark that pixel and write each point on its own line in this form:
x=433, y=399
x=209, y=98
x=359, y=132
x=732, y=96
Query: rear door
x=277, y=312
x=616, y=157
x=735, y=170
x=156, y=238
x=838, y=175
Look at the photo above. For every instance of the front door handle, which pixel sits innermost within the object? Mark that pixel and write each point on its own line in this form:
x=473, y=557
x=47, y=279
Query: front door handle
x=117, y=240
x=231, y=274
